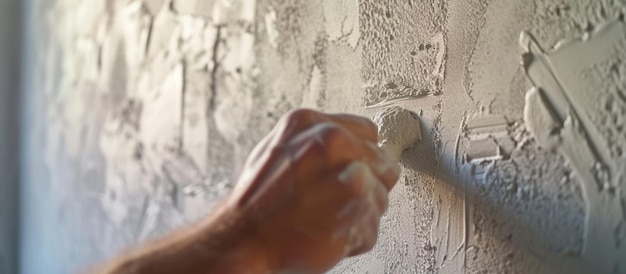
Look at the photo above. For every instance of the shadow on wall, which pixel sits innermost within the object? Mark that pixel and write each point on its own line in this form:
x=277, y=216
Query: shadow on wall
x=512, y=200
x=548, y=186
x=519, y=214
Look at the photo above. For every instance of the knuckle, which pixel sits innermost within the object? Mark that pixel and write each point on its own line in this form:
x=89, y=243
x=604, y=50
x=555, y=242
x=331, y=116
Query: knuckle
x=335, y=137
x=369, y=125
x=320, y=143
x=298, y=115
x=331, y=130
x=293, y=121
x=357, y=120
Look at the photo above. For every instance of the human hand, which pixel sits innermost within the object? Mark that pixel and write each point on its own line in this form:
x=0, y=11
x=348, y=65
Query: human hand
x=315, y=189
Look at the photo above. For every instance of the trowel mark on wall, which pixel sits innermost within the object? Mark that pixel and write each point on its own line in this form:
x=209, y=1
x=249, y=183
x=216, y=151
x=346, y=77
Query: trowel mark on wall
x=270, y=28
x=391, y=92
x=313, y=97
x=559, y=114
x=489, y=139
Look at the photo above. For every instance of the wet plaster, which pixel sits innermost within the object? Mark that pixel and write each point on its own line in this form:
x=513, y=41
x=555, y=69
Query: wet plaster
x=398, y=129
x=143, y=113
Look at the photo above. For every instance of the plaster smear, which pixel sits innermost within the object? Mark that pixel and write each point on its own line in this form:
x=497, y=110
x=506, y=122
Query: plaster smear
x=313, y=97
x=398, y=130
x=489, y=139
x=270, y=27
x=560, y=112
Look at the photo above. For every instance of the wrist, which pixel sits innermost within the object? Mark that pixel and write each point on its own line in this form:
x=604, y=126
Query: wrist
x=236, y=235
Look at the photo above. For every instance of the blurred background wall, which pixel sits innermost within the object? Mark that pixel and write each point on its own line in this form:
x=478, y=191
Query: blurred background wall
x=10, y=56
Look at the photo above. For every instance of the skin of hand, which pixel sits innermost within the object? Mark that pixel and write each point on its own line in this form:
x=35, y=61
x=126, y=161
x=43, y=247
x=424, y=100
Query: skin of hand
x=316, y=188
x=311, y=193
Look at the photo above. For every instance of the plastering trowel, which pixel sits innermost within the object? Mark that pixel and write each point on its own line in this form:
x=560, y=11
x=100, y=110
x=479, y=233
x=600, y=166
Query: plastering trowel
x=398, y=129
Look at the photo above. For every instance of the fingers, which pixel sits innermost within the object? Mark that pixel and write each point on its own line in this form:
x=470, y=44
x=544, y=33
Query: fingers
x=317, y=142
x=342, y=215
x=318, y=185
x=289, y=125
x=363, y=231
x=253, y=192
x=364, y=239
x=326, y=146
x=299, y=120
x=361, y=182
x=358, y=199
x=384, y=166
x=361, y=127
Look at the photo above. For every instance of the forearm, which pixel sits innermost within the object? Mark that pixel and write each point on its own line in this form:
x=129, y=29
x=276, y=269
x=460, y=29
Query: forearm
x=224, y=243
x=313, y=193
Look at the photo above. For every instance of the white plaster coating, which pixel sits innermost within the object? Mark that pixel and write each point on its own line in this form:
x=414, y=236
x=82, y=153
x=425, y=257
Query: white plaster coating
x=456, y=63
x=398, y=130
x=561, y=119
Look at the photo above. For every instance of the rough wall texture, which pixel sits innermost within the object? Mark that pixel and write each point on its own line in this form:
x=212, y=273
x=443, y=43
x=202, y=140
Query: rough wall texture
x=144, y=111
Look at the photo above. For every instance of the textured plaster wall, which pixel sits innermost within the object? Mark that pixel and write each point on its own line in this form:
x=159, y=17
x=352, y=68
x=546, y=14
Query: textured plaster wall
x=142, y=113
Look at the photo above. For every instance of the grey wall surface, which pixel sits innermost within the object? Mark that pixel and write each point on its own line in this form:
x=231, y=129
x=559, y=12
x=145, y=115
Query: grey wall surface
x=141, y=114
x=10, y=31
